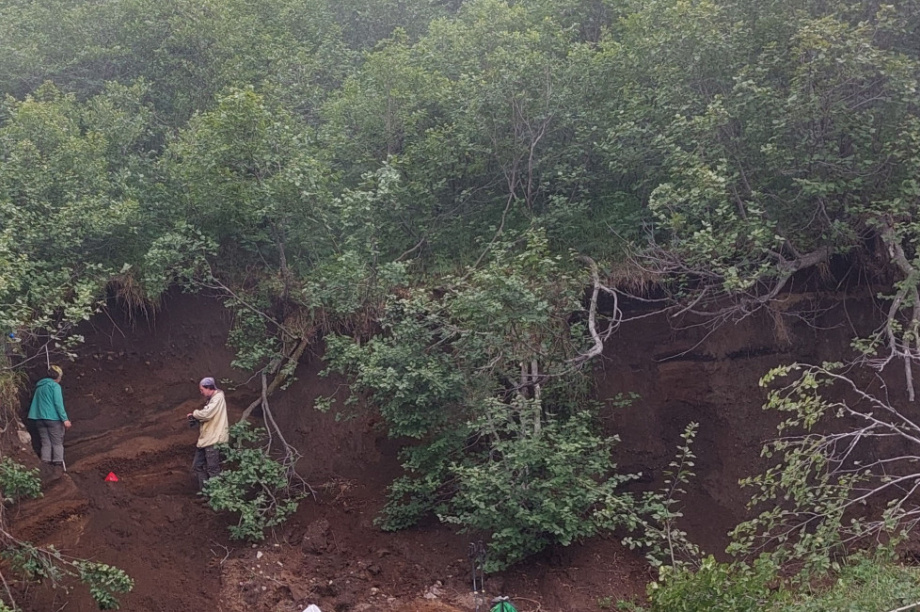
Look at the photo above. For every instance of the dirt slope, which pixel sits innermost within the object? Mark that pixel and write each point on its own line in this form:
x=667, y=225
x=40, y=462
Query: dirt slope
x=129, y=391
x=127, y=396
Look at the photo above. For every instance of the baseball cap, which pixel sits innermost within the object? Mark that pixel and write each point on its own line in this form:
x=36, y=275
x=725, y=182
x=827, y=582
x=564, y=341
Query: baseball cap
x=207, y=381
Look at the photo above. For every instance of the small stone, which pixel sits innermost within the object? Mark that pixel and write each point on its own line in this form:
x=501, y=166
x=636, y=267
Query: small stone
x=259, y=555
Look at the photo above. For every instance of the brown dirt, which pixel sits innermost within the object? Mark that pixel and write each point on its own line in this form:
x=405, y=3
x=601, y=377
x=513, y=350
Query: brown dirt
x=129, y=391
x=128, y=395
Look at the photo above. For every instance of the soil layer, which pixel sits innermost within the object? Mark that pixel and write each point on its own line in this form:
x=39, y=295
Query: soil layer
x=133, y=383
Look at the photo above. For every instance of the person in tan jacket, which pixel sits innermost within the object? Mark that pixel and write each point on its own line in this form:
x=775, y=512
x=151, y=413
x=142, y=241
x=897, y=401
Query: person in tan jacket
x=214, y=429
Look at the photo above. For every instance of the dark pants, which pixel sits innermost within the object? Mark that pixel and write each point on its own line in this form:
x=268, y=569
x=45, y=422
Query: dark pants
x=51, y=434
x=206, y=464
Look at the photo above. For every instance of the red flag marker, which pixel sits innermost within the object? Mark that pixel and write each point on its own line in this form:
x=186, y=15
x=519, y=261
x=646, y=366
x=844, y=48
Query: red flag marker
x=111, y=477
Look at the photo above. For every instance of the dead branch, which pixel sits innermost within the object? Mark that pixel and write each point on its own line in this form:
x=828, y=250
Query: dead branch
x=290, y=455
x=274, y=368
x=904, y=345
x=709, y=297
x=599, y=338
x=222, y=287
x=913, y=606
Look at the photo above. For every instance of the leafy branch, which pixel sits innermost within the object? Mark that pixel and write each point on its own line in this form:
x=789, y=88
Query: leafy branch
x=34, y=563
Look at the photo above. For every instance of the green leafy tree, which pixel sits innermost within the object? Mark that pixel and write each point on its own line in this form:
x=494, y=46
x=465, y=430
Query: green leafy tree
x=254, y=486
x=72, y=219
x=189, y=52
x=482, y=379
x=832, y=487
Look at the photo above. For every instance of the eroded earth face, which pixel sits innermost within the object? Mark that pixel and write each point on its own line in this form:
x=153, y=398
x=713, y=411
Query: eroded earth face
x=128, y=395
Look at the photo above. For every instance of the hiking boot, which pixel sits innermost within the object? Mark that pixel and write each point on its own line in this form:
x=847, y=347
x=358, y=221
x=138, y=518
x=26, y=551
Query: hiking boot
x=49, y=472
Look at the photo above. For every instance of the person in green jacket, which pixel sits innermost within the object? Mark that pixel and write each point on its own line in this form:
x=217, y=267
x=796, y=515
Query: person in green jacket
x=47, y=410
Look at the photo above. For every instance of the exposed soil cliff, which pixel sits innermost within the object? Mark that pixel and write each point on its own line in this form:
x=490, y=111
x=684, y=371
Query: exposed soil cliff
x=129, y=391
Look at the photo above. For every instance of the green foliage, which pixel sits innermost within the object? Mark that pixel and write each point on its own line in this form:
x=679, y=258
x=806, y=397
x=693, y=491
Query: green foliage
x=350, y=283
x=33, y=563
x=255, y=486
x=480, y=378
x=18, y=482
x=806, y=500
x=536, y=491
x=103, y=582
x=366, y=22
x=419, y=177
x=666, y=545
x=866, y=582
x=36, y=564
x=714, y=587
x=71, y=215
x=247, y=170
x=768, y=141
x=177, y=258
x=493, y=97
x=189, y=52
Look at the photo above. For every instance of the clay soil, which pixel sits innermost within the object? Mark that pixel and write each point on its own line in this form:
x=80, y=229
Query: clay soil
x=127, y=395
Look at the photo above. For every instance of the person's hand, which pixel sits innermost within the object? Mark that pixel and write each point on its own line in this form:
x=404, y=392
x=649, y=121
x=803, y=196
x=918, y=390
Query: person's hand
x=67, y=424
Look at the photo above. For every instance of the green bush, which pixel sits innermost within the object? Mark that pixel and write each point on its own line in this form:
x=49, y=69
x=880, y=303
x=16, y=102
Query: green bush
x=480, y=376
x=256, y=487
x=33, y=563
x=17, y=481
x=538, y=491
x=865, y=582
x=103, y=581
x=713, y=587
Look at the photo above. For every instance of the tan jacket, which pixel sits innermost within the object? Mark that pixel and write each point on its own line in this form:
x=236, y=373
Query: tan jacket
x=215, y=428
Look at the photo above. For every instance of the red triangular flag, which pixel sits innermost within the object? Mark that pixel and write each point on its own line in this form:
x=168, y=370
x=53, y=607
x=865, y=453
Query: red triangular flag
x=111, y=477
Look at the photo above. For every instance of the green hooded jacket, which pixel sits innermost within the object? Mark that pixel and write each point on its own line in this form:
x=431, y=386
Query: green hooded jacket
x=48, y=402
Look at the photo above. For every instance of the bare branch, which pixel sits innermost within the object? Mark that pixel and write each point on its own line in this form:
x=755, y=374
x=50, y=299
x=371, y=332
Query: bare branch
x=597, y=337
x=274, y=369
